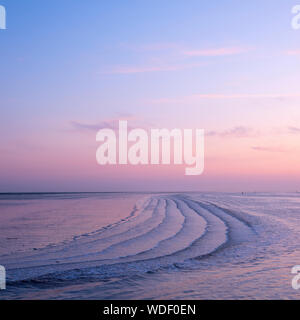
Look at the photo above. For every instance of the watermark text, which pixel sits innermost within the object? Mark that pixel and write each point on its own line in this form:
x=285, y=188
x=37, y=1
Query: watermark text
x=296, y=17
x=296, y=278
x=139, y=147
x=2, y=278
x=2, y=17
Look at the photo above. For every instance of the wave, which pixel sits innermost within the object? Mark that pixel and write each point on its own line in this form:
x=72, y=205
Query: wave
x=165, y=231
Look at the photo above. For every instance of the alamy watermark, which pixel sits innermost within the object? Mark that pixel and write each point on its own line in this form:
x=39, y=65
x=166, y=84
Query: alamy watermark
x=140, y=147
x=296, y=278
x=2, y=278
x=296, y=17
x=2, y=17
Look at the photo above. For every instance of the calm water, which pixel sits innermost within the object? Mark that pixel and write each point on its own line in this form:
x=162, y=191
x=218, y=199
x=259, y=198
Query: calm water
x=149, y=246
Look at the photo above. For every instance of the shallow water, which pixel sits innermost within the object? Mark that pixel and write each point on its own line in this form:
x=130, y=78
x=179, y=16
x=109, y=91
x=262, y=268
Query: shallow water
x=149, y=246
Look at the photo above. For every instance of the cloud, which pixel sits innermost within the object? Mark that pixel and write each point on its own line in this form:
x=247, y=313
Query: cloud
x=215, y=52
x=181, y=49
x=268, y=149
x=237, y=132
x=152, y=46
x=149, y=68
x=110, y=123
x=139, y=69
x=84, y=126
x=294, y=130
x=169, y=52
x=293, y=52
x=197, y=97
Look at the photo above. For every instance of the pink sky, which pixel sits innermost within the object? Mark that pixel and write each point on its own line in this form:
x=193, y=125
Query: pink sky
x=158, y=66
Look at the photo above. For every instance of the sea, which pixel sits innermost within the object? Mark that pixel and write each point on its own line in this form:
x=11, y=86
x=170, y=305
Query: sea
x=199, y=245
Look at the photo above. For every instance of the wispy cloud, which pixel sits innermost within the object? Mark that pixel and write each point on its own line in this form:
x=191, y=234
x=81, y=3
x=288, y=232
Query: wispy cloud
x=268, y=149
x=138, y=69
x=110, y=123
x=293, y=52
x=160, y=46
x=237, y=132
x=80, y=126
x=151, y=68
x=172, y=57
x=294, y=130
x=181, y=49
x=215, y=52
x=197, y=97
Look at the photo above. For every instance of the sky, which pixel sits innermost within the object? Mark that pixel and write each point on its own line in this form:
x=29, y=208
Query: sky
x=229, y=67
